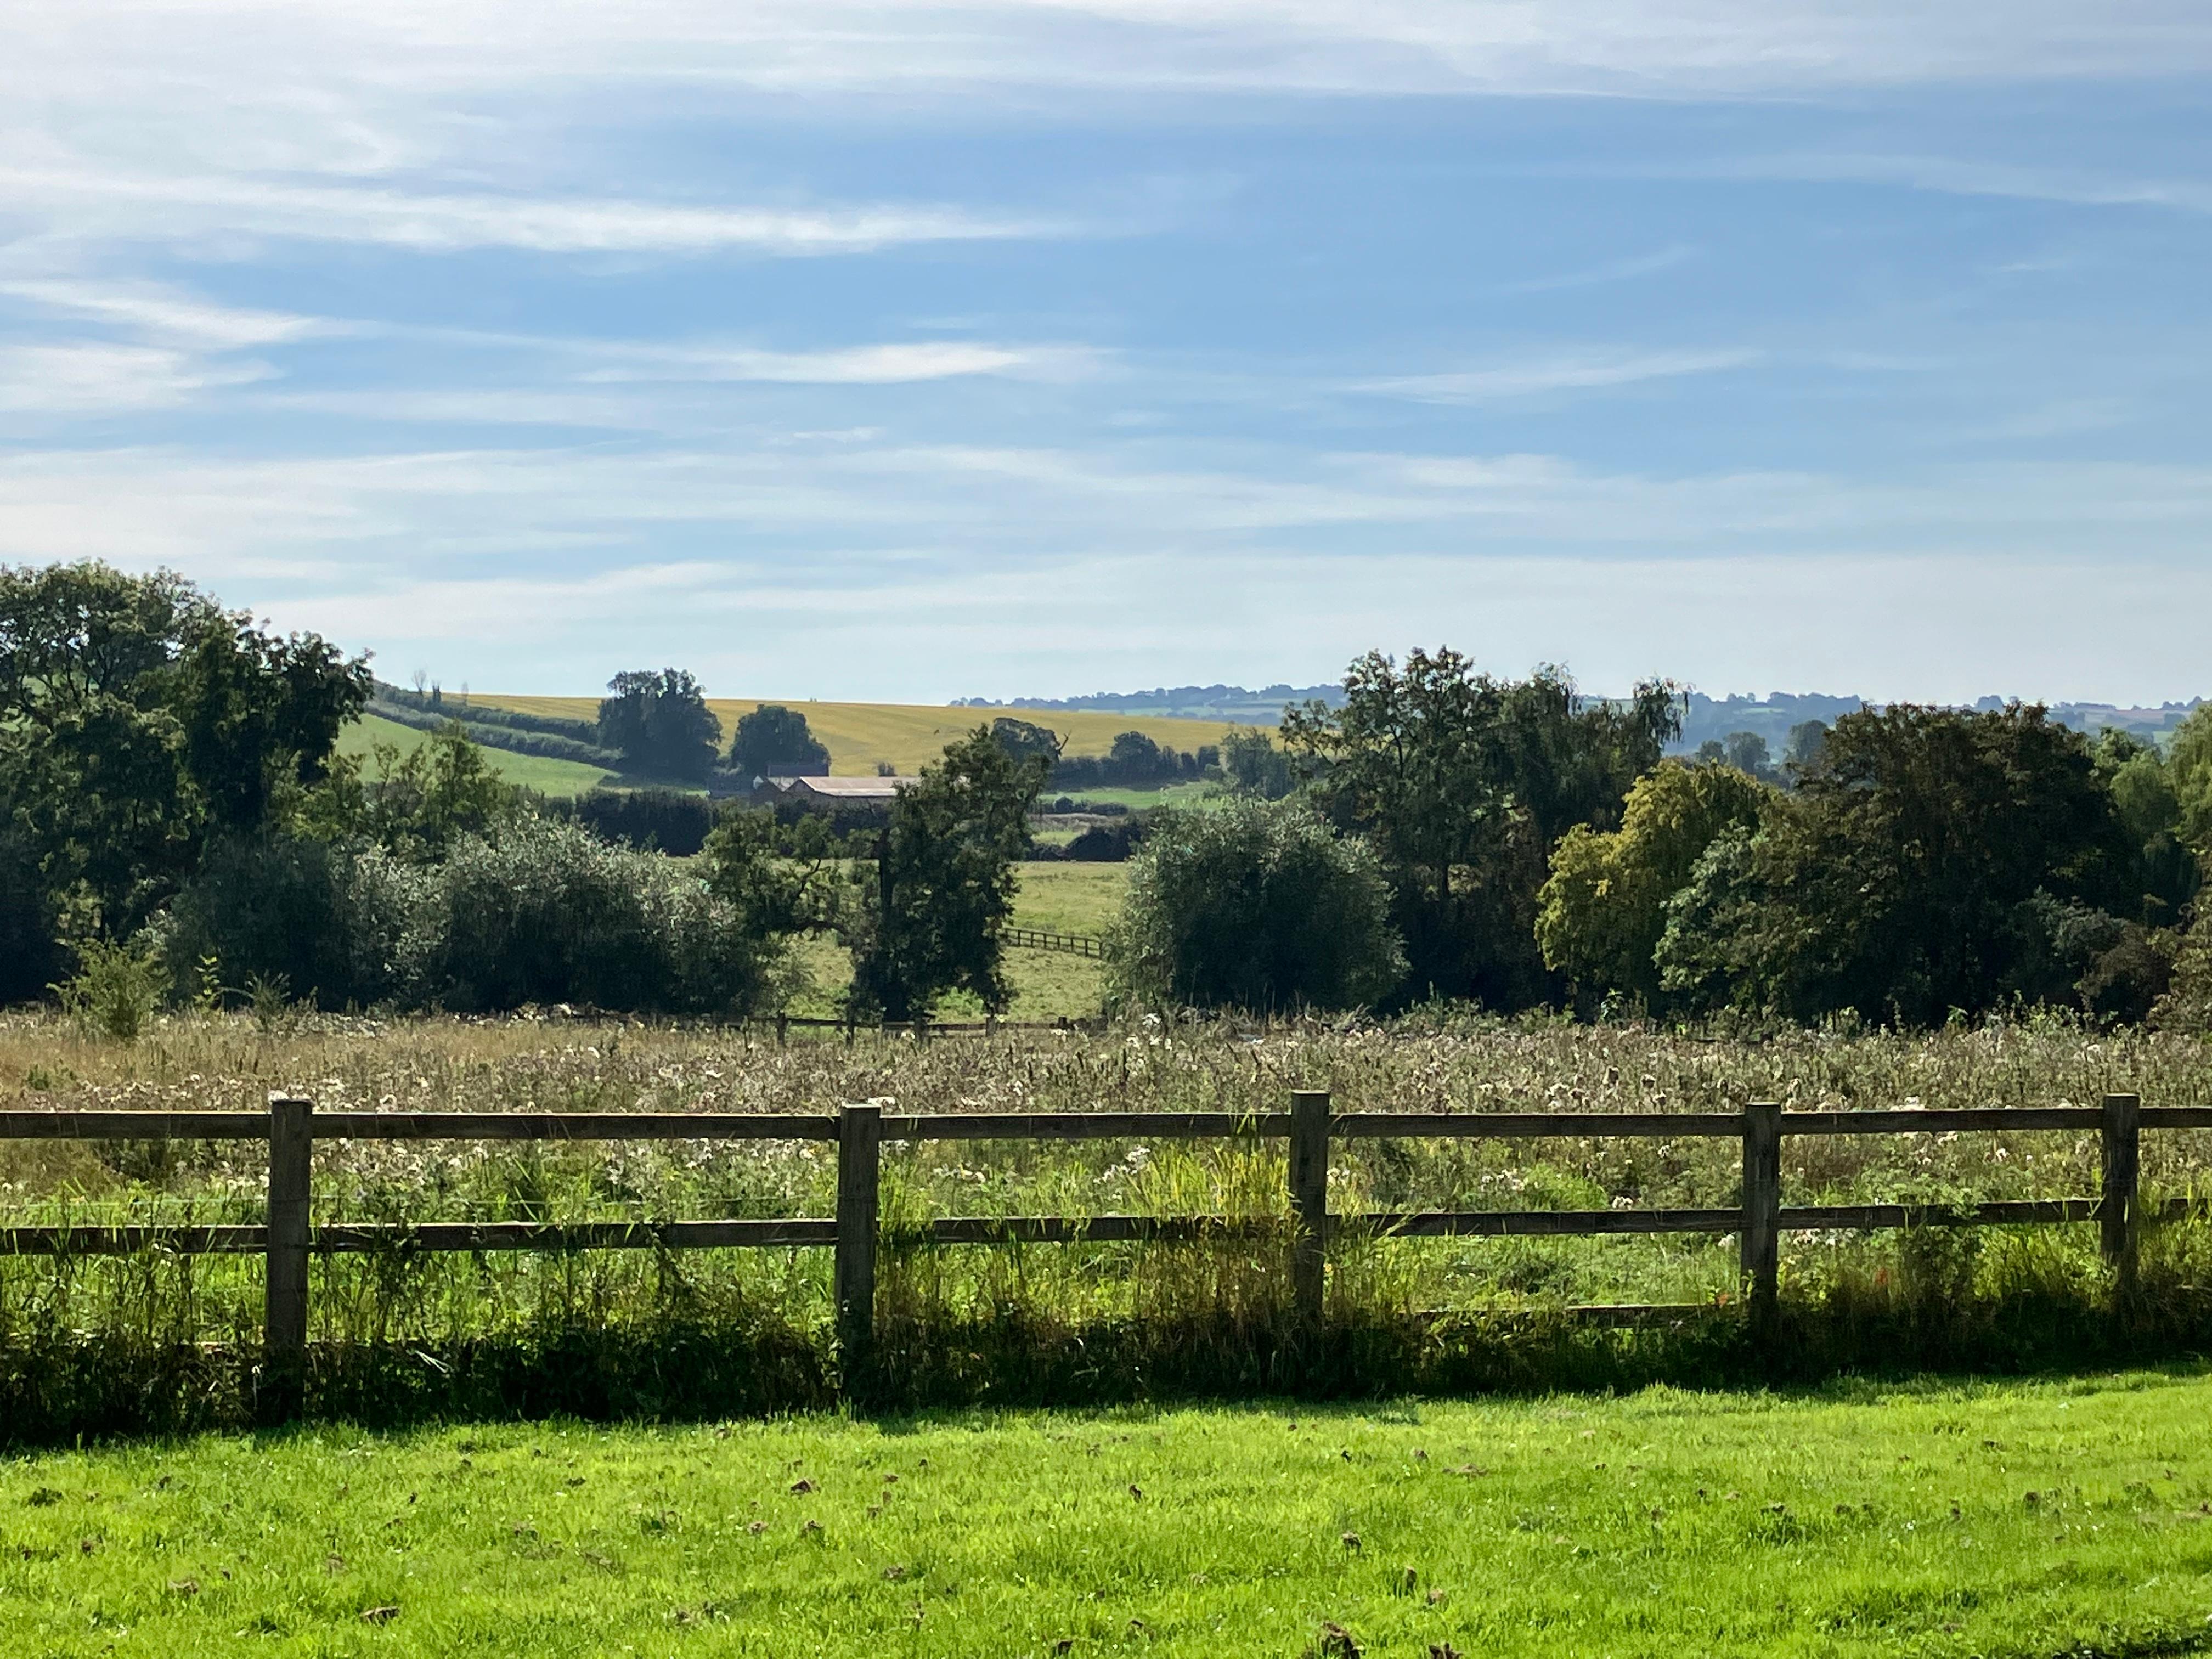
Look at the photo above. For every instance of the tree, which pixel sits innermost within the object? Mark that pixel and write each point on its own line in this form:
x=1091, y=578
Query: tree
x=1747, y=752
x=1255, y=766
x=2188, y=762
x=1602, y=914
x=1931, y=859
x=1025, y=741
x=260, y=714
x=774, y=741
x=930, y=922
x=137, y=718
x=1801, y=752
x=659, y=724
x=2167, y=874
x=1464, y=783
x=1259, y=906
x=1135, y=758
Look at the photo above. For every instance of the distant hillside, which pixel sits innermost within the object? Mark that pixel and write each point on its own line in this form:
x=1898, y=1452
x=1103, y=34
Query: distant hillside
x=862, y=736
x=1708, y=719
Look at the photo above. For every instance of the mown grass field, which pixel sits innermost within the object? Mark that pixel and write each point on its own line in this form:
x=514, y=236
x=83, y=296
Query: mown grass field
x=546, y=776
x=2020, y=1519
x=863, y=735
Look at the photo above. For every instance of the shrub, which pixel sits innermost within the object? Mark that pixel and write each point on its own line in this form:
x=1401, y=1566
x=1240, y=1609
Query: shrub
x=114, y=991
x=542, y=911
x=328, y=919
x=670, y=821
x=1257, y=906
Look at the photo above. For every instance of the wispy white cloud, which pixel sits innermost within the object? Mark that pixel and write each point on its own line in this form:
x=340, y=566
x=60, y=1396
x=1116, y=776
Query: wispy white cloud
x=82, y=379
x=1546, y=376
x=1958, y=176
x=84, y=200
x=158, y=310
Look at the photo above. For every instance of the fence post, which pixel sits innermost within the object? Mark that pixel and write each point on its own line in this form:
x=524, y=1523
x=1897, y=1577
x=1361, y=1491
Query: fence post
x=284, y=1311
x=859, y=1142
x=1762, y=1211
x=1309, y=1205
x=2119, y=1216
x=782, y=1025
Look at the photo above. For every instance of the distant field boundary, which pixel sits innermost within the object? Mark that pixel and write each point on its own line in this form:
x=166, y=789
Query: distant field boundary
x=291, y=1126
x=905, y=735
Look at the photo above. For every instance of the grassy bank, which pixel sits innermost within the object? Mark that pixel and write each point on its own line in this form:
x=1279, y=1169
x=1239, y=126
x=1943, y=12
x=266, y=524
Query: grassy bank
x=2022, y=1519
x=549, y=777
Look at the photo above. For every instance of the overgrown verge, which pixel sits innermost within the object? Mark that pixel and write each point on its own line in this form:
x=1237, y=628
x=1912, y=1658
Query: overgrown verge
x=948, y=1337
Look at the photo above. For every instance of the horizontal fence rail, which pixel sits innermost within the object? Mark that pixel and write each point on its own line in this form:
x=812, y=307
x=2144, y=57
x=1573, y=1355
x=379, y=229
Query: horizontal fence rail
x=288, y=1240
x=1043, y=939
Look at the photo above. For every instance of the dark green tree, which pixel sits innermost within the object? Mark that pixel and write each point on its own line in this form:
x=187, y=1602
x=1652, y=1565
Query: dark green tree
x=660, y=724
x=137, y=718
x=1026, y=741
x=774, y=741
x=930, y=914
x=1464, y=783
x=1930, y=860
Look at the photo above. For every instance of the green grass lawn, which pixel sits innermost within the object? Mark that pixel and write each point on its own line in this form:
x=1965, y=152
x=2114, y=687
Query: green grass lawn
x=547, y=777
x=2041, y=1518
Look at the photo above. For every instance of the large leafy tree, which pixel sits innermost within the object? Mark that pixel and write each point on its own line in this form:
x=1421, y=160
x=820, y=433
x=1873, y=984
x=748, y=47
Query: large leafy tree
x=1929, y=859
x=136, y=718
x=659, y=723
x=1464, y=783
x=931, y=914
x=773, y=740
x=1602, y=913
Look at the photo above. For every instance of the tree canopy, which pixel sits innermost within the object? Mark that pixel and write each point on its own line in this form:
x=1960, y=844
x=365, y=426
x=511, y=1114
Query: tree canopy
x=932, y=913
x=660, y=724
x=774, y=741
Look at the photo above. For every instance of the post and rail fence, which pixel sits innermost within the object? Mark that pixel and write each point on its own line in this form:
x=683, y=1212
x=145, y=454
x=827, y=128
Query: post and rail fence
x=291, y=1126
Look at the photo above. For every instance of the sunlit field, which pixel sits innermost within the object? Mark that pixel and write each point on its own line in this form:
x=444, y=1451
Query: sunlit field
x=2034, y=1519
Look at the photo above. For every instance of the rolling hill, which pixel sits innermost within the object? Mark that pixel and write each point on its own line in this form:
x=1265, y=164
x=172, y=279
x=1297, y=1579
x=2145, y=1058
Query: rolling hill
x=547, y=777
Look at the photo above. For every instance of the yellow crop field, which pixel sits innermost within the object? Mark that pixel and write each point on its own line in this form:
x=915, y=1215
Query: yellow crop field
x=862, y=735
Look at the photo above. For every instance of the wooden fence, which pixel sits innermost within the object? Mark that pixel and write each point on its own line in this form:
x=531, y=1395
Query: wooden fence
x=1043, y=939
x=292, y=1127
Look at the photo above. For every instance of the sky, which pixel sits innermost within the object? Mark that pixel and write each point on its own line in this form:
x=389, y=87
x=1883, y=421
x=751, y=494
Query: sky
x=906, y=352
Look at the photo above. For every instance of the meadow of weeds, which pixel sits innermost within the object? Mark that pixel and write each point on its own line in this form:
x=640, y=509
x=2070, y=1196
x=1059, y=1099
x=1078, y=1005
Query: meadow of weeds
x=2056, y=1516
x=161, y=1340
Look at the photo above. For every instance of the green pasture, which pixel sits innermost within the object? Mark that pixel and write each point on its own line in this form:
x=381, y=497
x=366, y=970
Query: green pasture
x=2029, y=1519
x=1061, y=898
x=546, y=776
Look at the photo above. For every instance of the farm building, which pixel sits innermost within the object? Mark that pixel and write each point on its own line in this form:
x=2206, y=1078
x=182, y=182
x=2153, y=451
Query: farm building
x=836, y=794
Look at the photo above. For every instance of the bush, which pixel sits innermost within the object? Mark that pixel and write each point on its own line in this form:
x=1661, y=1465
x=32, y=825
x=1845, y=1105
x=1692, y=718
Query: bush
x=542, y=911
x=114, y=991
x=668, y=821
x=1256, y=906
x=329, y=919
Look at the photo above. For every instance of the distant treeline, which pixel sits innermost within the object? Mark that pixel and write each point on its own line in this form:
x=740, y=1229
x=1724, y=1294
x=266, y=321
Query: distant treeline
x=177, y=824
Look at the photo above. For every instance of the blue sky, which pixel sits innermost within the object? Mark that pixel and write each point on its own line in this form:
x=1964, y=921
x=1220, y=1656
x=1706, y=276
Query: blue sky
x=908, y=352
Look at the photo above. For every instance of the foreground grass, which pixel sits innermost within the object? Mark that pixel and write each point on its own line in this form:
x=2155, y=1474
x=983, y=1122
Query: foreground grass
x=2029, y=1519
